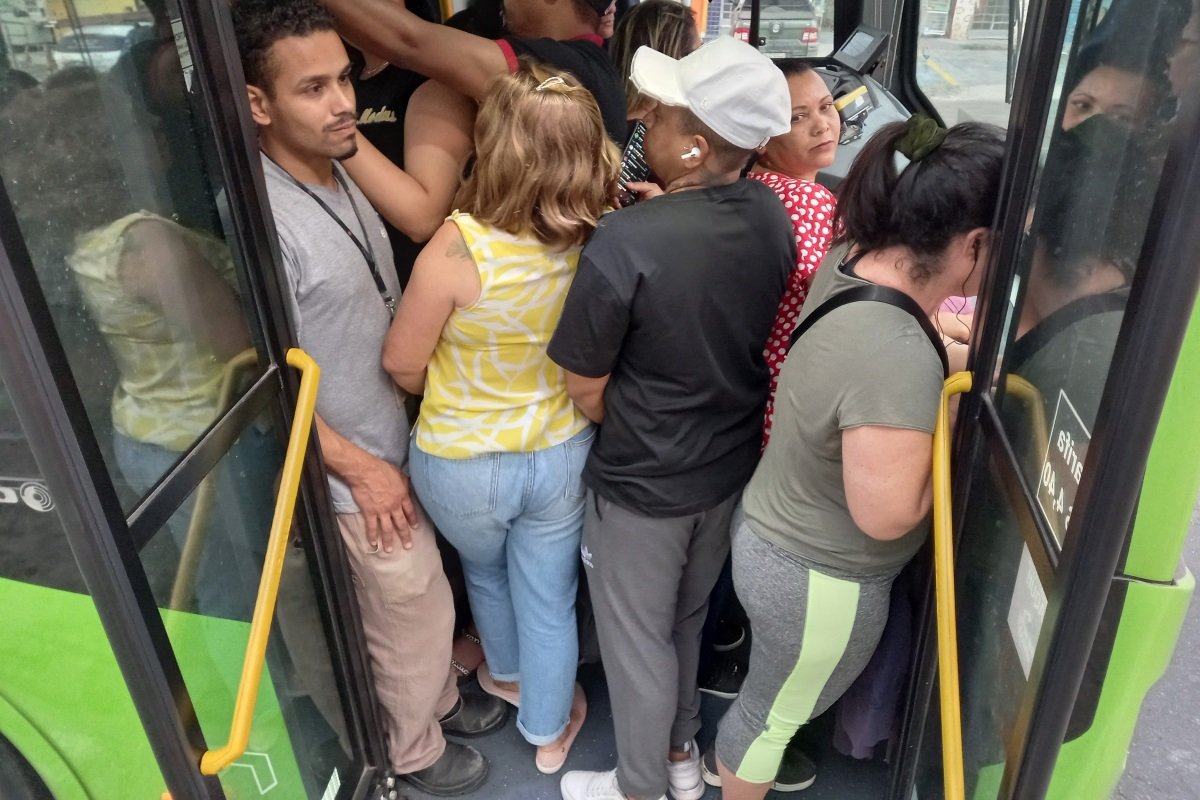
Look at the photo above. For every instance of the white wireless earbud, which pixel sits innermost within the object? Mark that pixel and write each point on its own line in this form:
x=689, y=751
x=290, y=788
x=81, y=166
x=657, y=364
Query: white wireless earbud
x=693, y=153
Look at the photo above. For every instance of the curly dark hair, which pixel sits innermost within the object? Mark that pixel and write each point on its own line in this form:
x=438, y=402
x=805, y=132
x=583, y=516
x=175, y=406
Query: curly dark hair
x=261, y=23
x=925, y=204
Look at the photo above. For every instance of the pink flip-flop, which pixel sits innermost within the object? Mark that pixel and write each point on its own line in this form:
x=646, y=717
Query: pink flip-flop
x=489, y=685
x=551, y=757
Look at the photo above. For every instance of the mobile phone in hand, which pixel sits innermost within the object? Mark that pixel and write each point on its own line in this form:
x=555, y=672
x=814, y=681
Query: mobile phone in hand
x=633, y=165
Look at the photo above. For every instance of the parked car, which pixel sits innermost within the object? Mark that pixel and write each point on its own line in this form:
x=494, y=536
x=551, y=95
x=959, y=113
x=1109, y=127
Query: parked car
x=786, y=29
x=99, y=46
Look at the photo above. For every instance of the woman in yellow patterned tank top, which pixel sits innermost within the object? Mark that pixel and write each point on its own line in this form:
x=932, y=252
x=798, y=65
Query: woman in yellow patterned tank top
x=498, y=448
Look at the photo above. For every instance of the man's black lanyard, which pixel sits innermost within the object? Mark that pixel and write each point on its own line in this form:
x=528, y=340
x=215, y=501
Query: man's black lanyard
x=368, y=252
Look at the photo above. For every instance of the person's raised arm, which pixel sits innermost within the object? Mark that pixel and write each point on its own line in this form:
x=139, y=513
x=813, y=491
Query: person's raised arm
x=438, y=128
x=887, y=475
x=463, y=61
x=444, y=277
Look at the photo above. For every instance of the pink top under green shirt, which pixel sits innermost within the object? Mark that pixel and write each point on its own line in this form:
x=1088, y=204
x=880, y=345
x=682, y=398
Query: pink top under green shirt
x=810, y=207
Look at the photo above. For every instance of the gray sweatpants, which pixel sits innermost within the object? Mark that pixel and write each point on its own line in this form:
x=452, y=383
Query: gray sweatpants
x=649, y=580
x=815, y=629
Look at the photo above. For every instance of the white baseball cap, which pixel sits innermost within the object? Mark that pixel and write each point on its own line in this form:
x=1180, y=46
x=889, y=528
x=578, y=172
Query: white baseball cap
x=727, y=84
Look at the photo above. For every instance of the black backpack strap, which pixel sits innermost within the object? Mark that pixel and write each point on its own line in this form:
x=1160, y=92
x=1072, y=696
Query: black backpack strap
x=878, y=294
x=1040, y=335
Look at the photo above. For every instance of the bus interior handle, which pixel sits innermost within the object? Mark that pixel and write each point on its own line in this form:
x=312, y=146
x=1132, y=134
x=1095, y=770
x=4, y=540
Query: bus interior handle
x=214, y=761
x=943, y=562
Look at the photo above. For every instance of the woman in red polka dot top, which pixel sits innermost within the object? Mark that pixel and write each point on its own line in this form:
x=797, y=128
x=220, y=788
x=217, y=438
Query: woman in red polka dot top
x=788, y=165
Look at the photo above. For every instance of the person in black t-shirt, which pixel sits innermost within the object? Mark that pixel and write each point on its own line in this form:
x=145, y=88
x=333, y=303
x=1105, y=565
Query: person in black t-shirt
x=382, y=94
x=662, y=338
x=564, y=35
x=415, y=139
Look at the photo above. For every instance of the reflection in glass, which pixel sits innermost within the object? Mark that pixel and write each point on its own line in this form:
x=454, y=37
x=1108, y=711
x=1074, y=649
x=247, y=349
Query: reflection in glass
x=102, y=166
x=1091, y=216
x=207, y=595
x=57, y=664
x=1099, y=176
x=1121, y=68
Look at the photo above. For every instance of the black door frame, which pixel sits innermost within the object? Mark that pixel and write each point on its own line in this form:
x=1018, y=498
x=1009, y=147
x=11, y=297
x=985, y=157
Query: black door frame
x=103, y=540
x=1161, y=303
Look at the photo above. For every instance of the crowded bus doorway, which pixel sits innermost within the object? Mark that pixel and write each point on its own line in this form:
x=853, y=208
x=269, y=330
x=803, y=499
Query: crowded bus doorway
x=1069, y=585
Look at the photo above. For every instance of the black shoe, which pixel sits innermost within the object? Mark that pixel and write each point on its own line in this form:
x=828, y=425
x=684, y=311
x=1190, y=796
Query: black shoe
x=708, y=767
x=725, y=679
x=796, y=772
x=729, y=636
x=461, y=769
x=475, y=715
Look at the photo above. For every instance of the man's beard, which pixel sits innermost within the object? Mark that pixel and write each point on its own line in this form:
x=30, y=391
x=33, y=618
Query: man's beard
x=349, y=152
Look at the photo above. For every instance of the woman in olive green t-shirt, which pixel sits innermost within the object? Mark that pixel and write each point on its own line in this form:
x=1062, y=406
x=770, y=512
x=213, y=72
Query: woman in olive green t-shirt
x=839, y=502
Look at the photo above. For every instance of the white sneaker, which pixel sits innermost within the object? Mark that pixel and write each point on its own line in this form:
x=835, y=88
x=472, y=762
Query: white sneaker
x=684, y=776
x=592, y=786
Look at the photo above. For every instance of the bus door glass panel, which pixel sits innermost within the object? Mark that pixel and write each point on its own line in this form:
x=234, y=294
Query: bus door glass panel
x=110, y=172
x=1101, y=165
x=298, y=743
x=61, y=691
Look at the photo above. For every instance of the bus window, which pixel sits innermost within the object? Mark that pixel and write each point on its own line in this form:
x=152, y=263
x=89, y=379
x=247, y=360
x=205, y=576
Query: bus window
x=104, y=751
x=786, y=28
x=105, y=166
x=1087, y=223
x=962, y=58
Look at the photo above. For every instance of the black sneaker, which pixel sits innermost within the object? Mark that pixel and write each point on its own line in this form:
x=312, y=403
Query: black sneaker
x=461, y=769
x=725, y=679
x=796, y=772
x=475, y=715
x=729, y=636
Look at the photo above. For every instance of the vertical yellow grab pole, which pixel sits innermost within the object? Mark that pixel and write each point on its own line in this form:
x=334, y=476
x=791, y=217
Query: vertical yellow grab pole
x=943, y=579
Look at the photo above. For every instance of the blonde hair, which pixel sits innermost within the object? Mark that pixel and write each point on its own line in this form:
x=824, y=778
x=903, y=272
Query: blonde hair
x=545, y=164
x=663, y=25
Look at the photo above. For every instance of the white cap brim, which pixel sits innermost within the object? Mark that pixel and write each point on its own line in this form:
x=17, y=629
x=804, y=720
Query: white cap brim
x=657, y=76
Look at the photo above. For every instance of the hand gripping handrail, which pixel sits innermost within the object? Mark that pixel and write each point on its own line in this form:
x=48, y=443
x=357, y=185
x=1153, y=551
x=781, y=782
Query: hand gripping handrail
x=214, y=761
x=943, y=578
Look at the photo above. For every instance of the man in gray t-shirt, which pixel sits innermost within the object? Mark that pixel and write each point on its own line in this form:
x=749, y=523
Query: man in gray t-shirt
x=341, y=288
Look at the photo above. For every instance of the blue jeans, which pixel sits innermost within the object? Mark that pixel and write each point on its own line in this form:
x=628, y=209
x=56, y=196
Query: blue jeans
x=516, y=521
x=239, y=521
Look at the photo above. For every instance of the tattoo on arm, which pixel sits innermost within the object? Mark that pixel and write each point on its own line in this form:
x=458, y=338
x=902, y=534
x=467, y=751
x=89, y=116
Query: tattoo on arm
x=458, y=249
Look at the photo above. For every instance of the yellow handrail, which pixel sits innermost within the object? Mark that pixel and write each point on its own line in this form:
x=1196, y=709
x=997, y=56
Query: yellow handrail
x=214, y=761
x=943, y=579
x=197, y=532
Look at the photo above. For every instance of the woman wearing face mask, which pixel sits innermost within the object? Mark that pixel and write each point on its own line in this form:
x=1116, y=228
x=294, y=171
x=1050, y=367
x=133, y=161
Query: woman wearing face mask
x=788, y=165
x=840, y=501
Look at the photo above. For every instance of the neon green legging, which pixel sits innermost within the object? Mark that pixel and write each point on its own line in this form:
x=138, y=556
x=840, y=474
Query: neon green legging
x=813, y=634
